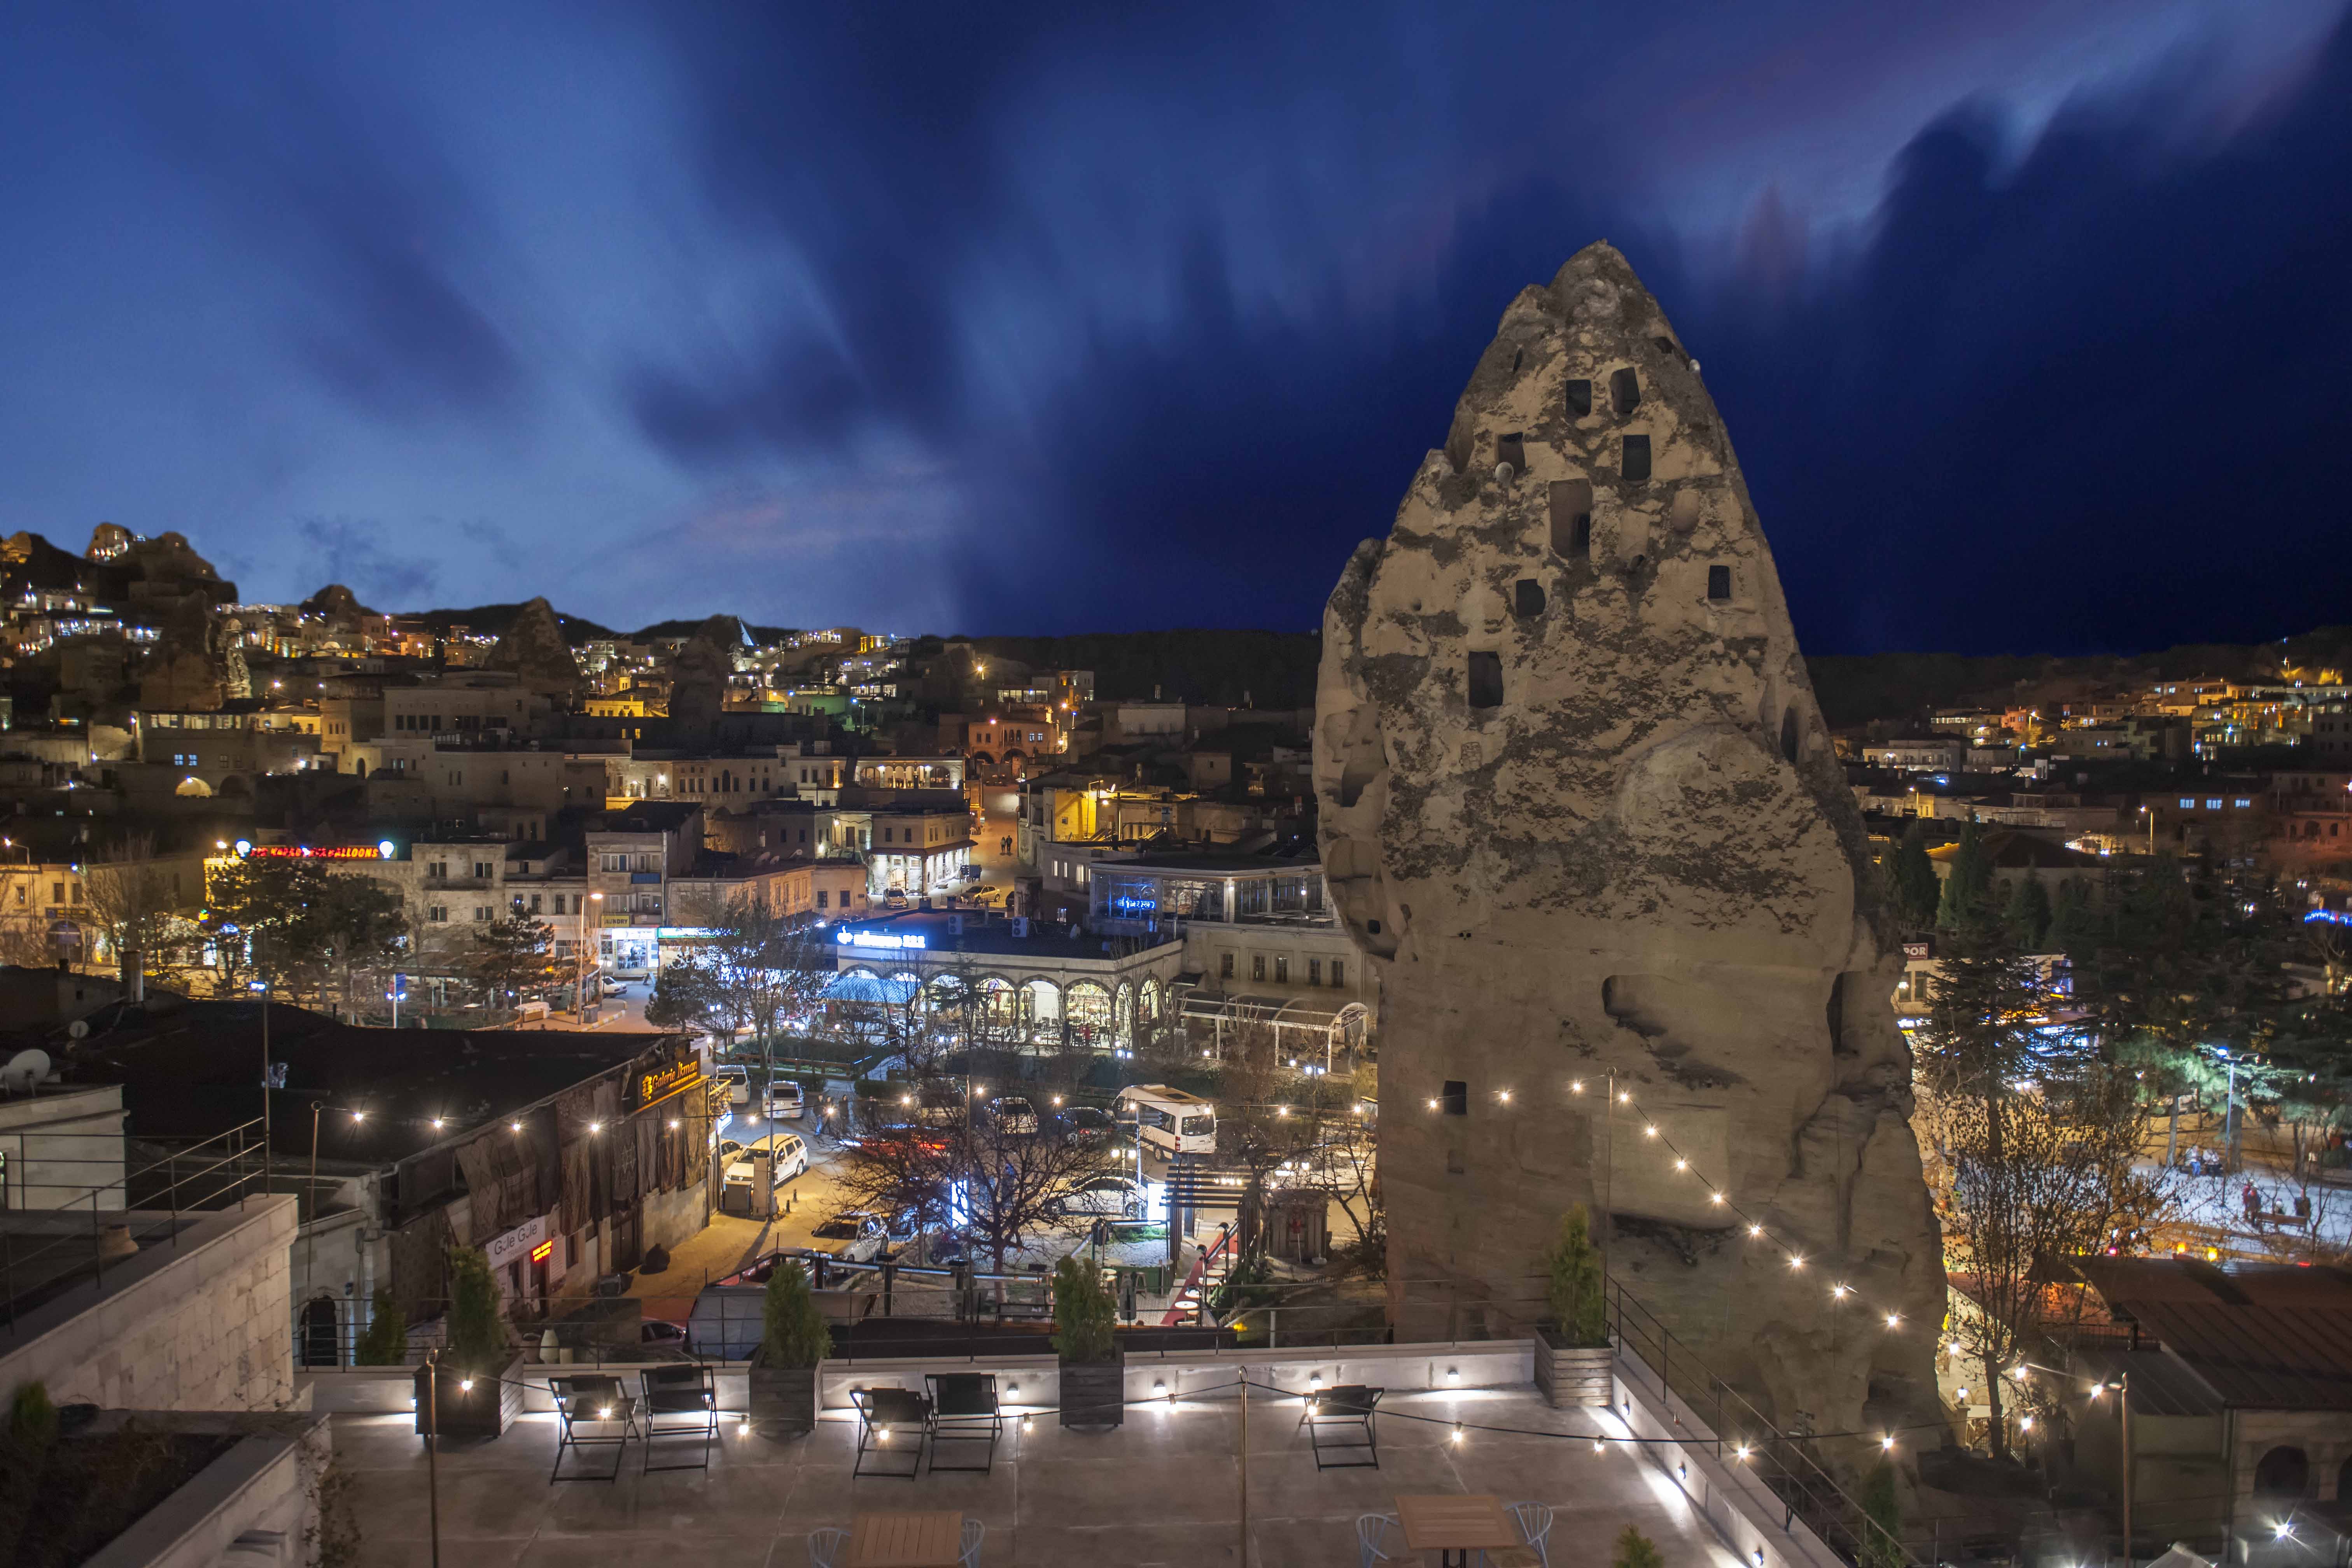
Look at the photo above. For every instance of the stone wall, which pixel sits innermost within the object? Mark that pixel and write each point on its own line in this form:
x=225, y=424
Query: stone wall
x=1578, y=806
x=202, y=1326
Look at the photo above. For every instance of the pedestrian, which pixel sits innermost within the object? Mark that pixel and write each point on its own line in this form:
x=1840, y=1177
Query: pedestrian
x=2197, y=1161
x=2253, y=1200
x=2302, y=1205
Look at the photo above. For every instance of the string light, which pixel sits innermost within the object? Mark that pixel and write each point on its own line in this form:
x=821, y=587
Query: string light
x=1649, y=1131
x=1893, y=1319
x=1575, y=1086
x=1796, y=1260
x=1719, y=1197
x=1457, y=1431
x=1839, y=1291
x=1887, y=1442
x=1755, y=1230
x=1681, y=1164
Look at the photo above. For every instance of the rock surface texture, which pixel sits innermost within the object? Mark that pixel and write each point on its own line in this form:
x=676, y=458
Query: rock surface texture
x=534, y=649
x=1577, y=803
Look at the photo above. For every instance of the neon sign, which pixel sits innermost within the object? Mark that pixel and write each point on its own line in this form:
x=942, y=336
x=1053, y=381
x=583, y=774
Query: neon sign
x=248, y=850
x=878, y=939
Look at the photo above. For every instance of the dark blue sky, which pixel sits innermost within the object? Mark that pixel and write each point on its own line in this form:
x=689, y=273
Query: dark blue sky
x=2029, y=317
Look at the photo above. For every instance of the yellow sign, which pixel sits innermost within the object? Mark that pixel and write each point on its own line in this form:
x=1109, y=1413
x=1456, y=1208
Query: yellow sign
x=660, y=1084
x=620, y=919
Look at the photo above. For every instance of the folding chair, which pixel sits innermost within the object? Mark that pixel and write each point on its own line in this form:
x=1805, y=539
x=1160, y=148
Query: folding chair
x=882, y=1410
x=1379, y=1538
x=964, y=1410
x=1338, y=1422
x=594, y=1403
x=688, y=1396
x=1535, y=1523
x=824, y=1547
x=973, y=1531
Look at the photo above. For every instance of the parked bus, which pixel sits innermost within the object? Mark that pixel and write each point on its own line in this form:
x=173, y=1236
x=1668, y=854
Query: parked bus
x=1170, y=1120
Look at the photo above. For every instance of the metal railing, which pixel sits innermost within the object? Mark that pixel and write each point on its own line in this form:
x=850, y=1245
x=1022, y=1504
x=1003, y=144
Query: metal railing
x=207, y=1175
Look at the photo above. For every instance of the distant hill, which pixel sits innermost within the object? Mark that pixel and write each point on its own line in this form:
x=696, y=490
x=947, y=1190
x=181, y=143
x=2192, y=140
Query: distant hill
x=493, y=620
x=1225, y=668
x=688, y=628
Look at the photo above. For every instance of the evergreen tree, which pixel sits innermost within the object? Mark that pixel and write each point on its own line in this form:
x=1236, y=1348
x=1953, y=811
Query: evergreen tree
x=1882, y=1504
x=1915, y=890
x=514, y=955
x=1635, y=1550
x=2073, y=923
x=2026, y=919
x=1967, y=885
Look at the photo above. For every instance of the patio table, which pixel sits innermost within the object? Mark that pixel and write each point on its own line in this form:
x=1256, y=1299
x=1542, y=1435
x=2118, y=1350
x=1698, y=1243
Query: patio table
x=906, y=1540
x=1453, y=1526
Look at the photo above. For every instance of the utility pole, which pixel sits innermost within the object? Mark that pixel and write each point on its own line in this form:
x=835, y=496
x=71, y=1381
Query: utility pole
x=433, y=1446
x=2131, y=1462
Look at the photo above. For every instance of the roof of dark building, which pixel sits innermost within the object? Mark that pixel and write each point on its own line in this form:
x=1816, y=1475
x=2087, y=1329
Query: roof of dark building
x=2008, y=849
x=191, y=1069
x=2263, y=1336
x=648, y=816
x=941, y=939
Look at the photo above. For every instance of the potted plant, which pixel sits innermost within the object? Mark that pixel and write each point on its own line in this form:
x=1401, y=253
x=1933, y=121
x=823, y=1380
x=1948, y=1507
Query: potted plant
x=1572, y=1355
x=793, y=1342
x=1094, y=1372
x=475, y=1383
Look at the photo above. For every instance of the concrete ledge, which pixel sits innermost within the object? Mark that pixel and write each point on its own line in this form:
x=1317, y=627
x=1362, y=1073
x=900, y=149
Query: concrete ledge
x=259, y=1491
x=1750, y=1519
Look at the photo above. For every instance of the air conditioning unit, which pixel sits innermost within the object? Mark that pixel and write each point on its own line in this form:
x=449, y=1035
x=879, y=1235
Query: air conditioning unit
x=1020, y=925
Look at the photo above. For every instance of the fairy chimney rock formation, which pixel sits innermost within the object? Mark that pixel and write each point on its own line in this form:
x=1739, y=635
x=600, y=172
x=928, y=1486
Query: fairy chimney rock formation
x=1577, y=803
x=534, y=649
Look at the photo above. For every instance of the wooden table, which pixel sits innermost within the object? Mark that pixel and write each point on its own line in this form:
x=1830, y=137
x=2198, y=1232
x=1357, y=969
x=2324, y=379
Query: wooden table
x=906, y=1540
x=1455, y=1526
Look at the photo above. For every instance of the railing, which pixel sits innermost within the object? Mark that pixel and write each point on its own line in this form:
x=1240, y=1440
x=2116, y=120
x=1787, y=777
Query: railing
x=1784, y=1461
x=1196, y=1283
x=210, y=1174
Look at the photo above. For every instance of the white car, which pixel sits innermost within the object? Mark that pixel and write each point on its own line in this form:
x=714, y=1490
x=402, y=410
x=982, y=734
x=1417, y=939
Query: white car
x=785, y=1099
x=851, y=1236
x=1103, y=1195
x=737, y=1078
x=1015, y=1114
x=790, y=1160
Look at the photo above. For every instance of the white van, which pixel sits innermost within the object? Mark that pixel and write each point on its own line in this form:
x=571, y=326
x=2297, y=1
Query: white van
x=1170, y=1120
x=737, y=1078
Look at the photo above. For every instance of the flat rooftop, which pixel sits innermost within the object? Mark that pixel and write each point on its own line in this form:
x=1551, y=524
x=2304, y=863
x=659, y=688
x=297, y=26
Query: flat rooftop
x=1162, y=1489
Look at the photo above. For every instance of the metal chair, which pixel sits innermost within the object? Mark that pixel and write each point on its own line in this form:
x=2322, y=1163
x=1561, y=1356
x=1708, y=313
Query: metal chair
x=882, y=1410
x=824, y=1547
x=1331, y=1416
x=591, y=1401
x=1535, y=1523
x=1379, y=1538
x=689, y=1397
x=972, y=1532
x=964, y=1410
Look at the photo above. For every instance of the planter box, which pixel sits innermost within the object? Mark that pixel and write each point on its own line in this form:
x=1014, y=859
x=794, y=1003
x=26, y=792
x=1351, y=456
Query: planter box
x=482, y=1411
x=1571, y=1376
x=1094, y=1392
x=783, y=1400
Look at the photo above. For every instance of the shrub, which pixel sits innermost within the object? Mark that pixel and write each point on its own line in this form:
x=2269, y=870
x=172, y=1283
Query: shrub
x=1575, y=1290
x=385, y=1340
x=1084, y=1313
x=478, y=1335
x=1635, y=1550
x=1881, y=1502
x=792, y=1329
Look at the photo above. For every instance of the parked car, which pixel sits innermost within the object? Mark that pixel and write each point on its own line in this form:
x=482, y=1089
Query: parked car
x=939, y=1105
x=852, y=1235
x=1014, y=1114
x=615, y=987
x=790, y=1160
x=785, y=1099
x=1103, y=1195
x=1085, y=1125
x=738, y=1079
x=668, y=1336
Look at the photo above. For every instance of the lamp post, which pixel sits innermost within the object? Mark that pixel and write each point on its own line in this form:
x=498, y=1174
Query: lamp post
x=579, y=964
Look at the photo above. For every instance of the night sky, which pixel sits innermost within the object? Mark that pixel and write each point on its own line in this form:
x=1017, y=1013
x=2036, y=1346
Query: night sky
x=2031, y=319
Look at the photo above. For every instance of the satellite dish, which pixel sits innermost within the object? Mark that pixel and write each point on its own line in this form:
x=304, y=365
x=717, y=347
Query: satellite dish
x=79, y=1029
x=1503, y=472
x=25, y=1070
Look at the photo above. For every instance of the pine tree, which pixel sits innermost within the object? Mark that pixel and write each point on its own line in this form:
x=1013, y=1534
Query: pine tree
x=2026, y=919
x=2073, y=924
x=1882, y=1503
x=1635, y=1550
x=1968, y=883
x=1915, y=890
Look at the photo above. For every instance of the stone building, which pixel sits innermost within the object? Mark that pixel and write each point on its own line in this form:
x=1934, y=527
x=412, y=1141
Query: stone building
x=1579, y=810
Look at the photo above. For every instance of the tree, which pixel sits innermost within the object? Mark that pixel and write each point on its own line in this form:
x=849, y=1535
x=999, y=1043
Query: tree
x=1085, y=1316
x=1882, y=1508
x=258, y=915
x=358, y=925
x=1968, y=882
x=792, y=1327
x=132, y=901
x=1916, y=891
x=1635, y=1550
x=2033, y=1145
x=514, y=955
x=2073, y=923
x=477, y=1339
x=1574, y=1290
x=684, y=998
x=2025, y=919
x=384, y=1342
x=998, y=1187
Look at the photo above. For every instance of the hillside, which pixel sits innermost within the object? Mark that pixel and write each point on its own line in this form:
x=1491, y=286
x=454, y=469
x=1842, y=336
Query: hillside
x=1228, y=668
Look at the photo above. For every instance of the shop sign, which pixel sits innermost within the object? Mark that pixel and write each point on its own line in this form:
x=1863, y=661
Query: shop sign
x=892, y=940
x=610, y=920
x=504, y=1250
x=660, y=1084
x=246, y=849
x=1918, y=950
